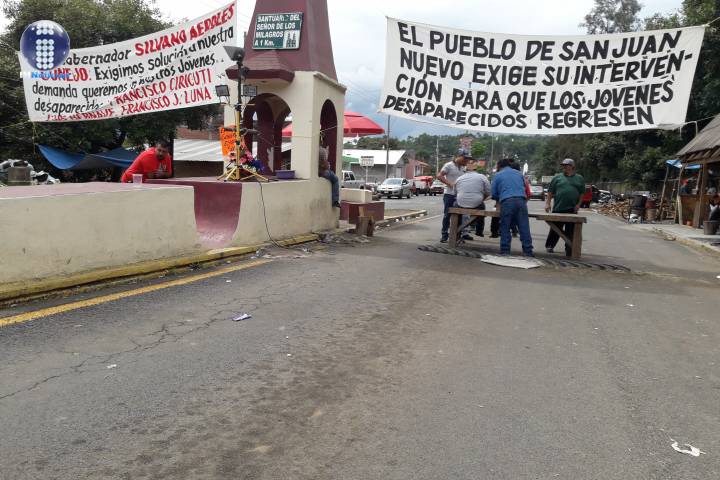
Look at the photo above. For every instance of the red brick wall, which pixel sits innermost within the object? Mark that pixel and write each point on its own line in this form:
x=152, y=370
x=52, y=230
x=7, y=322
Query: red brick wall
x=187, y=134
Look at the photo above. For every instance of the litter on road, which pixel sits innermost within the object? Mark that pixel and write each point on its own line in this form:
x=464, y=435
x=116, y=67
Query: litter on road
x=244, y=316
x=690, y=450
x=513, y=262
x=112, y=366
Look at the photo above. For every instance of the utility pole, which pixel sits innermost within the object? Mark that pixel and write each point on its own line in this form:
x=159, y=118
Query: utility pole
x=437, y=156
x=492, y=153
x=387, y=147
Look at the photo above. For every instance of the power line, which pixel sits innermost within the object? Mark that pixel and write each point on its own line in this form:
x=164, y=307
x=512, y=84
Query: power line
x=366, y=95
x=359, y=88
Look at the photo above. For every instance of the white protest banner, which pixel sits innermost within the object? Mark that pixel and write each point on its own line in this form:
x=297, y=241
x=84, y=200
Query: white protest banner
x=174, y=68
x=539, y=84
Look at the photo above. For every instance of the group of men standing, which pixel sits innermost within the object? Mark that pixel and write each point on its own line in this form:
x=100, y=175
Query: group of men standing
x=467, y=188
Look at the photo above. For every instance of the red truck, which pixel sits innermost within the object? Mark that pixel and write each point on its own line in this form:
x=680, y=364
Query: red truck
x=590, y=195
x=422, y=184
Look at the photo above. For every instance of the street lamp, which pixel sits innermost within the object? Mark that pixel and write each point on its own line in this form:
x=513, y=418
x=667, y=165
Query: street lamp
x=223, y=91
x=237, y=55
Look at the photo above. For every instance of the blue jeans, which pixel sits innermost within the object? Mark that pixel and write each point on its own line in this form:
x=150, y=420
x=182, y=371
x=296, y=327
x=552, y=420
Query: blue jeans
x=334, y=185
x=514, y=211
x=448, y=201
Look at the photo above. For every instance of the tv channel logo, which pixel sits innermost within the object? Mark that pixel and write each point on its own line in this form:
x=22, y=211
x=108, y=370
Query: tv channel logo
x=45, y=45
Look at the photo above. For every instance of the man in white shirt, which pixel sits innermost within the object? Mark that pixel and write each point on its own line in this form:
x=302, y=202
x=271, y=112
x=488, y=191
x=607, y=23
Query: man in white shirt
x=472, y=188
x=448, y=175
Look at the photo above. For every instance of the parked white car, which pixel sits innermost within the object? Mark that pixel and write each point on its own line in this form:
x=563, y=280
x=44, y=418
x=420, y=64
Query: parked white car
x=395, y=187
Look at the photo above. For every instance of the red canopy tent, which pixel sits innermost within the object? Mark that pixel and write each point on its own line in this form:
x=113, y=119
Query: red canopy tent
x=353, y=124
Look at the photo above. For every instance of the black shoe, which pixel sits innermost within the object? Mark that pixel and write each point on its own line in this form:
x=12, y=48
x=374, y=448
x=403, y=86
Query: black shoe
x=494, y=235
x=336, y=204
x=444, y=240
x=467, y=237
x=479, y=234
x=514, y=235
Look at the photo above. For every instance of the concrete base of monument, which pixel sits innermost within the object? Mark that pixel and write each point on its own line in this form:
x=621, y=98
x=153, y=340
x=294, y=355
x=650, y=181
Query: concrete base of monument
x=248, y=213
x=56, y=236
x=54, y=230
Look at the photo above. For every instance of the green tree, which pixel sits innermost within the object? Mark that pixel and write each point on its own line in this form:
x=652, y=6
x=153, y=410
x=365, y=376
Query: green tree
x=376, y=143
x=478, y=149
x=89, y=23
x=613, y=16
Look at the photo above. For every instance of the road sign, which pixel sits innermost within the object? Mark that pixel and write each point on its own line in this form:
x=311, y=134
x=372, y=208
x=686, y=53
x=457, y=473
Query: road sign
x=249, y=91
x=367, y=161
x=277, y=31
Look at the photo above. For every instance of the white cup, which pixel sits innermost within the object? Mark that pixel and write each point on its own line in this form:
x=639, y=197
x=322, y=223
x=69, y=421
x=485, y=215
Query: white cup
x=137, y=178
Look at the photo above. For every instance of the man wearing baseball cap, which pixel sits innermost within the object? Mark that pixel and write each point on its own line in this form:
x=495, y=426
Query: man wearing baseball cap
x=565, y=193
x=448, y=175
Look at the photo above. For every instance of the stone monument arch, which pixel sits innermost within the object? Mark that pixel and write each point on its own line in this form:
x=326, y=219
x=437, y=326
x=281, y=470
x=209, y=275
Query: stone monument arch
x=289, y=53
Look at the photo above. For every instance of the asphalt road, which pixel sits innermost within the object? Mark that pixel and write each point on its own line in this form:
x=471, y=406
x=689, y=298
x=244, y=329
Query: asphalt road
x=379, y=361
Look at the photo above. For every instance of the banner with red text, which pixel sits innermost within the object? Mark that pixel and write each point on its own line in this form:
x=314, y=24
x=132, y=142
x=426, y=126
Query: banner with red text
x=552, y=85
x=175, y=68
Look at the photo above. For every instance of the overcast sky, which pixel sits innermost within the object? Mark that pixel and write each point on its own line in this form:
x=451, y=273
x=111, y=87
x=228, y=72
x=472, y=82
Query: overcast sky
x=358, y=30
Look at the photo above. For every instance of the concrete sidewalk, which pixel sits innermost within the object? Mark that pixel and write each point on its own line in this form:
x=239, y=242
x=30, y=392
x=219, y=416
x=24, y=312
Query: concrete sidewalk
x=689, y=236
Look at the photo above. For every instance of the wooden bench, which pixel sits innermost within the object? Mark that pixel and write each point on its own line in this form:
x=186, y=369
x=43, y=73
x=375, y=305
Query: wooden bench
x=575, y=243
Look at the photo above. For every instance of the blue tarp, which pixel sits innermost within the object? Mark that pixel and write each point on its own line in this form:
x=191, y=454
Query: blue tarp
x=676, y=163
x=119, y=157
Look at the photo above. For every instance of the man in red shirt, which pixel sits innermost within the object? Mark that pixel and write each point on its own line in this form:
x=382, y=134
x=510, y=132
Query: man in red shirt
x=155, y=162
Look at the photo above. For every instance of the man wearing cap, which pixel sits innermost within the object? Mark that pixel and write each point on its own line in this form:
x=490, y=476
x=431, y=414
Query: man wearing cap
x=508, y=188
x=448, y=175
x=565, y=193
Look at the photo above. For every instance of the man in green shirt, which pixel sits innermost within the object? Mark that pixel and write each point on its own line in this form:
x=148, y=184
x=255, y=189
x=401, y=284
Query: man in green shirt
x=565, y=194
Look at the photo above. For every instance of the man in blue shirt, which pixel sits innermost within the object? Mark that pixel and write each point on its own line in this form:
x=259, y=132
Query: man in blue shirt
x=508, y=188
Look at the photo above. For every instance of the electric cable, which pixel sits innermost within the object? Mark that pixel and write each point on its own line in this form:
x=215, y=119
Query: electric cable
x=262, y=197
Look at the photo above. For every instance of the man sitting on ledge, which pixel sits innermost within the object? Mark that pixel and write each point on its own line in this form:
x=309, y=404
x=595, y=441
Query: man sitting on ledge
x=155, y=162
x=326, y=172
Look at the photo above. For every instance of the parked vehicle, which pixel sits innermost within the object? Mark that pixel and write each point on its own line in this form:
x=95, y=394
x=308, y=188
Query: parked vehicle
x=395, y=187
x=371, y=186
x=422, y=184
x=348, y=180
x=606, y=196
x=591, y=195
x=537, y=192
x=437, y=187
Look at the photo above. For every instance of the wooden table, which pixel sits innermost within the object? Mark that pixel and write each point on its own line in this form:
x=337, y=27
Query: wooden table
x=551, y=219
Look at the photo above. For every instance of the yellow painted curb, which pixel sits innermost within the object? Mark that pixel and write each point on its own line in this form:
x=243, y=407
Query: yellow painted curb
x=69, y=307
x=9, y=291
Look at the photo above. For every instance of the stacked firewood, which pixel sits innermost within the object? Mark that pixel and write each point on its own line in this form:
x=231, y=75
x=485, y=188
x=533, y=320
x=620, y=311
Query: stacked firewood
x=616, y=209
